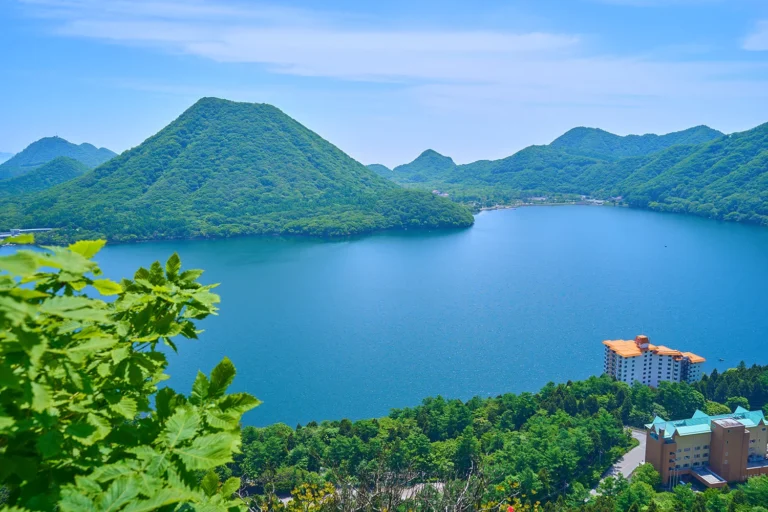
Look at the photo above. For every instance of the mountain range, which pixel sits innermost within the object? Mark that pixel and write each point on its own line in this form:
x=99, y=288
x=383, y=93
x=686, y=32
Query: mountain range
x=698, y=171
x=224, y=169
x=5, y=157
x=48, y=148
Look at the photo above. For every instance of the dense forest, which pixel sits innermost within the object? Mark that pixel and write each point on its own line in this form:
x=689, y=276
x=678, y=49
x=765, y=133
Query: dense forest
x=58, y=170
x=548, y=448
x=698, y=171
x=226, y=169
x=49, y=148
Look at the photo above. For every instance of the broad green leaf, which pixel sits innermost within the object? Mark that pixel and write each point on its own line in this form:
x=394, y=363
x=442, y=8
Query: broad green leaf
x=191, y=275
x=112, y=471
x=87, y=248
x=72, y=500
x=238, y=403
x=107, y=287
x=164, y=402
x=58, y=257
x=209, y=451
x=26, y=294
x=221, y=378
x=210, y=483
x=199, y=389
x=156, y=275
x=172, y=266
x=126, y=407
x=158, y=500
x=50, y=443
x=75, y=308
x=21, y=263
x=181, y=426
x=120, y=492
x=103, y=428
x=90, y=347
x=88, y=484
x=230, y=487
x=41, y=397
x=25, y=239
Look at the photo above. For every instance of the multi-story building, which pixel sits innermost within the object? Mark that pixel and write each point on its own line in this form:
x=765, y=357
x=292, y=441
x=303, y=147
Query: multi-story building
x=638, y=360
x=714, y=450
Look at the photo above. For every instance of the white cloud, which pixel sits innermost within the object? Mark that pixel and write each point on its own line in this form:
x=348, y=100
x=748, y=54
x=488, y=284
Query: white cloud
x=758, y=40
x=492, y=85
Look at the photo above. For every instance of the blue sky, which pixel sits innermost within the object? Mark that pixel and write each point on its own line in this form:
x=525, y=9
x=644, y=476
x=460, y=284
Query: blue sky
x=385, y=80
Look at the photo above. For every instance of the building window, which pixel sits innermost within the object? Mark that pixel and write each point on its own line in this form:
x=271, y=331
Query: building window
x=706, y=446
x=685, y=465
x=697, y=448
x=687, y=450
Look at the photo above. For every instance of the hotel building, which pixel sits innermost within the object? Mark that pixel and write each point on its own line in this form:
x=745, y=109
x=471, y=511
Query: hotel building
x=638, y=360
x=714, y=450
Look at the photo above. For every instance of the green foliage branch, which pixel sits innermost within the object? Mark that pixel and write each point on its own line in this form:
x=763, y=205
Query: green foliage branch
x=79, y=375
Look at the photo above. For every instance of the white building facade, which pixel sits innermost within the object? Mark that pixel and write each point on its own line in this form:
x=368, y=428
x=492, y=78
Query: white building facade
x=638, y=361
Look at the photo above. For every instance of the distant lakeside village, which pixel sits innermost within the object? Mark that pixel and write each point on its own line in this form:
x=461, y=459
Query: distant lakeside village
x=712, y=450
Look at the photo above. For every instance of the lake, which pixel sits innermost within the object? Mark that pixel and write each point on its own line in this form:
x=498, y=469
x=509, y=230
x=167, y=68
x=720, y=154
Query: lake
x=351, y=328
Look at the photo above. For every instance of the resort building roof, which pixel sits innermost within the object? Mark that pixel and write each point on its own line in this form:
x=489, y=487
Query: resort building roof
x=640, y=345
x=700, y=422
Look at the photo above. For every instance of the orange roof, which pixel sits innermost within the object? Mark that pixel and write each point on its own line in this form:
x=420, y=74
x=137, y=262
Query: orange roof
x=666, y=351
x=629, y=348
x=693, y=357
x=625, y=348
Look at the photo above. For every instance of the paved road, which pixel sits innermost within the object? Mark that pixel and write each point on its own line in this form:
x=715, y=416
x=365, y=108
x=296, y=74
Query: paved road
x=633, y=458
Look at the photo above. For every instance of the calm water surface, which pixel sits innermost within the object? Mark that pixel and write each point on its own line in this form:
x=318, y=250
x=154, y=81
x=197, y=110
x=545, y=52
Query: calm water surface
x=325, y=330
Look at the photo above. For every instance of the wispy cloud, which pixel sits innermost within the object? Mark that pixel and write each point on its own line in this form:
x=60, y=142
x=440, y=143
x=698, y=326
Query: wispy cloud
x=758, y=40
x=482, y=74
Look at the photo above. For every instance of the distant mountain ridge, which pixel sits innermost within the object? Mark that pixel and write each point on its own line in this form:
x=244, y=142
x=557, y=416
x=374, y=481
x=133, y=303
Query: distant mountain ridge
x=5, y=156
x=598, y=143
x=427, y=165
x=225, y=169
x=58, y=170
x=46, y=149
x=698, y=171
x=381, y=170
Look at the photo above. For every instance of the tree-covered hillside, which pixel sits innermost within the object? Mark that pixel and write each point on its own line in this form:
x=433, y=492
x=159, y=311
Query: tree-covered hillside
x=56, y=171
x=722, y=178
x=428, y=166
x=48, y=148
x=381, y=170
x=601, y=144
x=224, y=169
x=534, y=451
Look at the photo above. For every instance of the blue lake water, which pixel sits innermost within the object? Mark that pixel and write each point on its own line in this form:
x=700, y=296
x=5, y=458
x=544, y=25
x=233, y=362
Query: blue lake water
x=332, y=329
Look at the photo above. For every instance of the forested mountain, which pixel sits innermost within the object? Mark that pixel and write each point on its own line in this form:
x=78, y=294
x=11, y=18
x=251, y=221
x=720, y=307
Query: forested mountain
x=381, y=170
x=224, y=169
x=56, y=171
x=48, y=148
x=722, y=178
x=601, y=144
x=5, y=156
x=428, y=166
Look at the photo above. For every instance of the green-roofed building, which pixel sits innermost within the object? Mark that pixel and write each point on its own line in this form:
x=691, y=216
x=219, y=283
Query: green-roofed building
x=714, y=450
